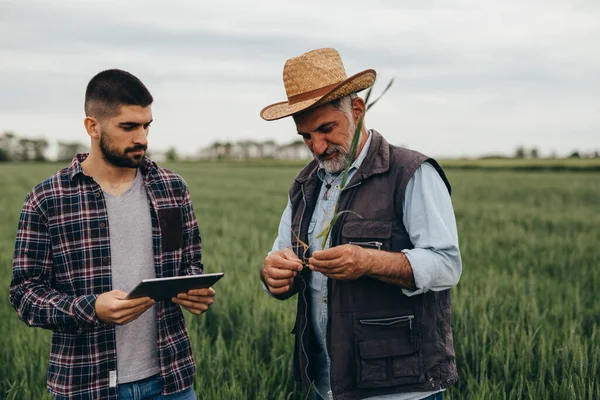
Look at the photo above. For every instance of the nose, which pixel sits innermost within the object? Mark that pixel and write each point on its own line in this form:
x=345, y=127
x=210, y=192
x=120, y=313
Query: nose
x=319, y=144
x=141, y=137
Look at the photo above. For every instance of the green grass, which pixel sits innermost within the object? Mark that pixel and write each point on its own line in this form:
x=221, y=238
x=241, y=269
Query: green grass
x=526, y=318
x=545, y=164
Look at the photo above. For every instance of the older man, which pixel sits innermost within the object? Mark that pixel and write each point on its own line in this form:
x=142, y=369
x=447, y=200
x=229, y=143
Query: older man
x=373, y=317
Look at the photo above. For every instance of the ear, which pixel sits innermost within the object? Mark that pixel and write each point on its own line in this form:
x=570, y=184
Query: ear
x=358, y=108
x=92, y=126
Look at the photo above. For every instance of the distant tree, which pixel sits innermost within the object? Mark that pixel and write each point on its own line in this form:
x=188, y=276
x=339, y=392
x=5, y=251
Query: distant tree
x=228, y=147
x=66, y=150
x=7, y=146
x=39, y=149
x=171, y=155
x=575, y=154
x=4, y=156
x=23, y=150
x=30, y=150
x=534, y=153
x=596, y=154
x=520, y=152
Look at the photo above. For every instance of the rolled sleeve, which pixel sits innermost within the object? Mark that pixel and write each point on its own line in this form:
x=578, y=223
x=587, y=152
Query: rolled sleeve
x=284, y=232
x=284, y=236
x=430, y=222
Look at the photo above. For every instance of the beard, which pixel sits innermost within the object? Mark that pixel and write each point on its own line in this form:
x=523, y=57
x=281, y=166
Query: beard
x=115, y=157
x=338, y=163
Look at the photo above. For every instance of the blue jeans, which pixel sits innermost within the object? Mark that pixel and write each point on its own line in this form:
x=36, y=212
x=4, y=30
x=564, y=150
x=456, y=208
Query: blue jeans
x=149, y=389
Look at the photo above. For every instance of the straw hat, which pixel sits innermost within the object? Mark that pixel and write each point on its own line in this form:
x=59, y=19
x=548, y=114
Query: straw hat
x=313, y=79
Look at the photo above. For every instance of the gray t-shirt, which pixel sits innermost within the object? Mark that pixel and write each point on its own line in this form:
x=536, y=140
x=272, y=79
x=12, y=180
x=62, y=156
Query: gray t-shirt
x=130, y=228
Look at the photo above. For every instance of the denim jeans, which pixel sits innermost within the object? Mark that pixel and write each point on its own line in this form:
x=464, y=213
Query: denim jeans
x=149, y=389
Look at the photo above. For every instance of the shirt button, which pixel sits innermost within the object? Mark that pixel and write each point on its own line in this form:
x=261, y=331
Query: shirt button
x=97, y=194
x=325, y=300
x=105, y=259
x=102, y=224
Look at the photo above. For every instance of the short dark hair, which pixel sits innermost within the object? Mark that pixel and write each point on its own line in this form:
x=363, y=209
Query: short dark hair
x=110, y=89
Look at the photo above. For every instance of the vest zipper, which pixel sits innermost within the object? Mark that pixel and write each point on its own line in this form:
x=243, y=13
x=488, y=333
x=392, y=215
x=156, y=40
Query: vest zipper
x=354, y=185
x=328, y=334
x=388, y=321
x=368, y=244
x=304, y=297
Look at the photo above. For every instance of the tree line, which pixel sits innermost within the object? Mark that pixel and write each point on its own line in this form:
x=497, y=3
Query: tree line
x=22, y=149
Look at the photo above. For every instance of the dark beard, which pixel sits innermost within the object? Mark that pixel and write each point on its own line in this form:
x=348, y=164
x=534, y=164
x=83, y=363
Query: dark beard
x=121, y=160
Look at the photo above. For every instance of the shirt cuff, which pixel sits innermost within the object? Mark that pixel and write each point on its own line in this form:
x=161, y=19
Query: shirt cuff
x=84, y=308
x=424, y=267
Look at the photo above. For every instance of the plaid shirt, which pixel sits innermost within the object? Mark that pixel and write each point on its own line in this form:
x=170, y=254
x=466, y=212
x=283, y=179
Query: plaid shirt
x=62, y=262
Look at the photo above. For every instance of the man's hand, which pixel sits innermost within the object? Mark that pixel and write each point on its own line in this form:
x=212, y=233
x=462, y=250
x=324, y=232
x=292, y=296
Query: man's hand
x=341, y=262
x=195, y=301
x=279, y=270
x=111, y=307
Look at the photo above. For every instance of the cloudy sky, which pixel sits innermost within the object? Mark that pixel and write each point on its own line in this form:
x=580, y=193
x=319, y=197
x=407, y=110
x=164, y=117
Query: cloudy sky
x=471, y=77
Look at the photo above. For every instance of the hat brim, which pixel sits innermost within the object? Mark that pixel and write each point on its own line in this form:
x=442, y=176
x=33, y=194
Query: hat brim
x=355, y=83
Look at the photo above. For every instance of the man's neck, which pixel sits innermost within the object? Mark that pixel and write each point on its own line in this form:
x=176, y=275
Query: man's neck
x=102, y=171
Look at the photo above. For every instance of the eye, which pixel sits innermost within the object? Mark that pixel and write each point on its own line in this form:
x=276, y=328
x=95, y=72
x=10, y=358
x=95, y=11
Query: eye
x=128, y=128
x=305, y=136
x=326, y=129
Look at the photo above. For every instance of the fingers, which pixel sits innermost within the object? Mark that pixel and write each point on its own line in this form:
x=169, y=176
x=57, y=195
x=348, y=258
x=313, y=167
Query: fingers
x=196, y=299
x=276, y=273
x=315, y=262
x=329, y=269
x=279, y=290
x=330, y=254
x=130, y=303
x=288, y=254
x=202, y=292
x=135, y=302
x=194, y=304
x=130, y=314
x=119, y=294
x=284, y=259
x=278, y=283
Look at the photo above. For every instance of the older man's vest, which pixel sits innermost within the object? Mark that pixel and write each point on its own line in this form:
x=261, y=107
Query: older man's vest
x=379, y=340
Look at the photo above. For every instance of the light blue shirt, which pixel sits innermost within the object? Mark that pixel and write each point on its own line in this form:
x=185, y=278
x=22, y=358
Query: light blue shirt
x=435, y=259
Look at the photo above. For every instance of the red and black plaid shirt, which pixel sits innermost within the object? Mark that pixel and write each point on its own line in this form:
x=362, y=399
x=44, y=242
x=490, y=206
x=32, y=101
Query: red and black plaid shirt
x=62, y=263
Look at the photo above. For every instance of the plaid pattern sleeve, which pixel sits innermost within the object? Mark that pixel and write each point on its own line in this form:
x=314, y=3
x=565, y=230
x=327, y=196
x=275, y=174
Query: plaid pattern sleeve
x=62, y=262
x=35, y=301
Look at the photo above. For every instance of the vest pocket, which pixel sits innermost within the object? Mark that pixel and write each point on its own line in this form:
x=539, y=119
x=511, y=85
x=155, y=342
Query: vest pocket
x=387, y=351
x=373, y=234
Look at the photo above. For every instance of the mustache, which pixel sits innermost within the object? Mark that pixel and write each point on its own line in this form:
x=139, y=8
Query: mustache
x=330, y=151
x=136, y=148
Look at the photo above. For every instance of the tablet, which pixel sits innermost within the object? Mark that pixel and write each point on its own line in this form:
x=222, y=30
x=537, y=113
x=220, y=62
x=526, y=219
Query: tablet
x=167, y=288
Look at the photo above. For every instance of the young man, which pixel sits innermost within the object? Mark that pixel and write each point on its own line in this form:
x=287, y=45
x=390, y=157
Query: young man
x=88, y=235
x=373, y=317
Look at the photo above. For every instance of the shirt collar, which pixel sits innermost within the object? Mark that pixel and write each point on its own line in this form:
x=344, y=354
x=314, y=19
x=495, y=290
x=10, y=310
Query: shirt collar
x=75, y=167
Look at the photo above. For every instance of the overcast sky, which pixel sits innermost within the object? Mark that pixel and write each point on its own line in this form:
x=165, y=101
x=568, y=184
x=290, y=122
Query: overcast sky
x=471, y=77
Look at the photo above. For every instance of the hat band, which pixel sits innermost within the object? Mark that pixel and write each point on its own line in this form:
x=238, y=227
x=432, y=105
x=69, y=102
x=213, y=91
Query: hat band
x=311, y=94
